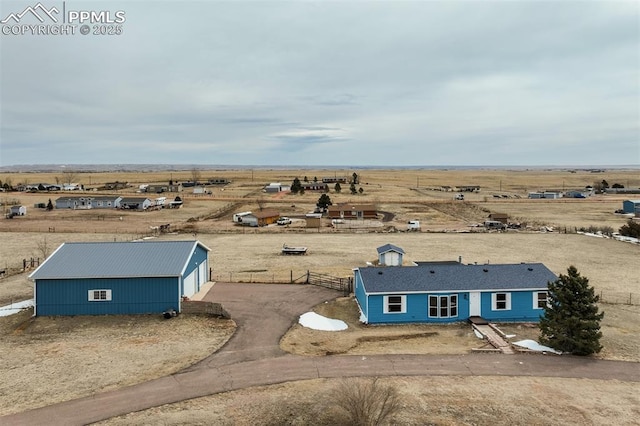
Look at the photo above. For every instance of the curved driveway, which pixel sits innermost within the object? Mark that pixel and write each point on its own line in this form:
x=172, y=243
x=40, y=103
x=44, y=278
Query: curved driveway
x=252, y=357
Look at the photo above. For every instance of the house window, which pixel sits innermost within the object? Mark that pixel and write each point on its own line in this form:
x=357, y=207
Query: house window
x=540, y=300
x=395, y=304
x=443, y=306
x=99, y=295
x=501, y=301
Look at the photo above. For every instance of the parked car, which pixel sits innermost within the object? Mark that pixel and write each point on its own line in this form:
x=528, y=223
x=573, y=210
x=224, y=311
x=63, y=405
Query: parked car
x=284, y=221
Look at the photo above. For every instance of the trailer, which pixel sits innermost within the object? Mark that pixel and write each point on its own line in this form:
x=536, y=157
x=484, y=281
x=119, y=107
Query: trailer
x=237, y=217
x=293, y=250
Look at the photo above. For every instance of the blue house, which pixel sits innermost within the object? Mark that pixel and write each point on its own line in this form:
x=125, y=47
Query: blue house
x=442, y=292
x=119, y=277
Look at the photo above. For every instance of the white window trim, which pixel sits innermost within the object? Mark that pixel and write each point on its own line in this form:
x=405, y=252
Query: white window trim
x=403, y=301
x=438, y=296
x=535, y=299
x=92, y=295
x=494, y=301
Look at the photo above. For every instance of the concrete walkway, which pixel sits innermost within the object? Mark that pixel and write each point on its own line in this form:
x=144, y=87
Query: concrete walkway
x=252, y=357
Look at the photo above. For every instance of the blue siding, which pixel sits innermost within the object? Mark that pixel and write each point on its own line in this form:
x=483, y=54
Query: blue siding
x=521, y=308
x=417, y=308
x=129, y=296
x=361, y=297
x=199, y=255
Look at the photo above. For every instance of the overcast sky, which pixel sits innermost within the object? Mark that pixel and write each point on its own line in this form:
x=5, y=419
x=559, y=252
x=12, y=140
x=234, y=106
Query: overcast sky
x=328, y=83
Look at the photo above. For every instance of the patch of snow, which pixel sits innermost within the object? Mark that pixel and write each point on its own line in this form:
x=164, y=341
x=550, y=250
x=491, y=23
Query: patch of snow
x=318, y=322
x=509, y=336
x=14, y=308
x=535, y=346
x=478, y=334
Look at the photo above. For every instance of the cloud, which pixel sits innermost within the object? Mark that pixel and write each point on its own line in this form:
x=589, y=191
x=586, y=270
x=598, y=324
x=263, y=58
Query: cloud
x=382, y=83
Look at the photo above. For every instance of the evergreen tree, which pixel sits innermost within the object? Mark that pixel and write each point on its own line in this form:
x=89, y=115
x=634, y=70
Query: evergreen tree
x=571, y=321
x=306, y=179
x=631, y=229
x=324, y=201
x=296, y=186
x=49, y=205
x=337, y=187
x=353, y=189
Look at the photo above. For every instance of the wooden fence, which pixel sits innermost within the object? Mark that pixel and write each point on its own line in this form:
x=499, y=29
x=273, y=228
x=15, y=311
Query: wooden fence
x=292, y=277
x=342, y=284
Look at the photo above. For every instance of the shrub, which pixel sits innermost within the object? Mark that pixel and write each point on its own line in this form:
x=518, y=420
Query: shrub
x=366, y=402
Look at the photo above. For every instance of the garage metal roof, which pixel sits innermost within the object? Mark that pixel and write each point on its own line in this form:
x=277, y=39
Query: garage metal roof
x=117, y=260
x=458, y=277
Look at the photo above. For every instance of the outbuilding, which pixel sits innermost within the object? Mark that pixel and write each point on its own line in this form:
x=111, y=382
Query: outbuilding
x=101, y=278
x=450, y=292
x=18, y=211
x=631, y=206
x=390, y=255
x=261, y=218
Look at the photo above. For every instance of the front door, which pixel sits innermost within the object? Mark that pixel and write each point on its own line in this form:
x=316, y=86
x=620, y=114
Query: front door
x=474, y=304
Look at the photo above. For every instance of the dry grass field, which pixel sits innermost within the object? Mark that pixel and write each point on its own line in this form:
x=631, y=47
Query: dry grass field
x=244, y=254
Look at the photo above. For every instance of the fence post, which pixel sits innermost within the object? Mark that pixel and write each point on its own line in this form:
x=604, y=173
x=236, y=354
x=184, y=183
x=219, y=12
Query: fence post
x=291, y=279
x=630, y=298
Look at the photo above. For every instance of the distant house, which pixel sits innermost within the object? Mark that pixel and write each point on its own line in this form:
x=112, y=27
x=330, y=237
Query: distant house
x=18, y=211
x=315, y=186
x=260, y=218
x=219, y=181
x=499, y=217
x=449, y=292
x=75, y=203
x=119, y=277
x=335, y=179
x=390, y=255
x=135, y=203
x=352, y=211
x=631, y=206
x=545, y=194
x=159, y=189
x=106, y=202
x=276, y=187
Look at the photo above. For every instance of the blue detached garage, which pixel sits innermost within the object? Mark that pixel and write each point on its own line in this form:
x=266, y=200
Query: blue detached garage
x=119, y=277
x=442, y=292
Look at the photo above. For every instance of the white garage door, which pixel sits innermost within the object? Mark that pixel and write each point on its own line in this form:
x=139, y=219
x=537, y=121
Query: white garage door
x=190, y=284
x=202, y=274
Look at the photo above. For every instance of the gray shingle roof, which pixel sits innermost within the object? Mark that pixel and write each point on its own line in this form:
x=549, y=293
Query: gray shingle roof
x=459, y=277
x=389, y=247
x=117, y=260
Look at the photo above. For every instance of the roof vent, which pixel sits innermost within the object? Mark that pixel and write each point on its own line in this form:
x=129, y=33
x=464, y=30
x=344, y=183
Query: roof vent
x=529, y=269
x=432, y=271
x=485, y=269
x=379, y=272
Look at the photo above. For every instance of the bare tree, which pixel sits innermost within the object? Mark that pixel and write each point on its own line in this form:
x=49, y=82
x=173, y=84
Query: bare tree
x=367, y=402
x=68, y=176
x=196, y=175
x=43, y=248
